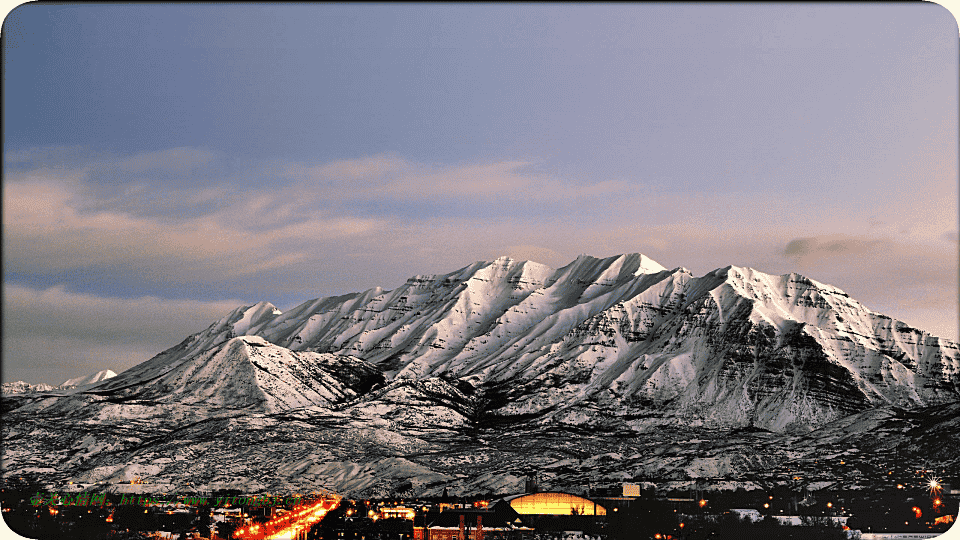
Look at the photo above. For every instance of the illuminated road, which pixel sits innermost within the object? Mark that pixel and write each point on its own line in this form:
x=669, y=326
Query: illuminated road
x=289, y=526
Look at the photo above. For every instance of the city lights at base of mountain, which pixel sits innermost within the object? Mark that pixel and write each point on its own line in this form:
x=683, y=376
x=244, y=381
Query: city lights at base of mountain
x=287, y=526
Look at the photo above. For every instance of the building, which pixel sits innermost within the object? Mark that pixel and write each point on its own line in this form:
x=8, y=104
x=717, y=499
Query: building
x=555, y=503
x=496, y=522
x=557, y=512
x=403, y=512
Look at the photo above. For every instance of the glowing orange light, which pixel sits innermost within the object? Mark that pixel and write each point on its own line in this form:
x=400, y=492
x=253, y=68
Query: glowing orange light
x=657, y=536
x=937, y=503
x=917, y=512
x=829, y=505
x=702, y=503
x=944, y=519
x=935, y=487
x=766, y=505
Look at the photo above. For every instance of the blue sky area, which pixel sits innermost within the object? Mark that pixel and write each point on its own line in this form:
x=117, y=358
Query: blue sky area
x=166, y=163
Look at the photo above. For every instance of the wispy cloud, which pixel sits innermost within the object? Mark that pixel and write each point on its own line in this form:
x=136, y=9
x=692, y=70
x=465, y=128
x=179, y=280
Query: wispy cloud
x=71, y=334
x=54, y=222
x=400, y=180
x=178, y=161
x=891, y=271
x=915, y=281
x=834, y=246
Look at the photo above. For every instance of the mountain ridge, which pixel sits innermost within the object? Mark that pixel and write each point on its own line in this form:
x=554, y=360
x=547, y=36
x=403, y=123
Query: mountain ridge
x=475, y=323
x=473, y=366
x=734, y=340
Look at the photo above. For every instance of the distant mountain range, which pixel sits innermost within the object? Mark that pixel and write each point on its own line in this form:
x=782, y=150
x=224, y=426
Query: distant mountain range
x=602, y=370
x=20, y=387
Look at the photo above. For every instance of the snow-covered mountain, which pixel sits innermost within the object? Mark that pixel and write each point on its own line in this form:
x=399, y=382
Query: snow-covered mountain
x=89, y=379
x=619, y=345
x=21, y=387
x=733, y=347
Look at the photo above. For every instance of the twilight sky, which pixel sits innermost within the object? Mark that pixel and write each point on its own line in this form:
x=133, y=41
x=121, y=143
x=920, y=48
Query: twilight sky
x=163, y=164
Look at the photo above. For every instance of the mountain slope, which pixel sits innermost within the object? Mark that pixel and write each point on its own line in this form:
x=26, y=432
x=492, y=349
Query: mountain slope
x=249, y=372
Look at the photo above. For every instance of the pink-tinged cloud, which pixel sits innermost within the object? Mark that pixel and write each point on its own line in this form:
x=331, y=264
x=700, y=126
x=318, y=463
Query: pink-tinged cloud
x=47, y=228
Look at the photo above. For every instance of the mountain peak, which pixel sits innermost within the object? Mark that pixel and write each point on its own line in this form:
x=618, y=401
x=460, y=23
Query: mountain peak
x=89, y=379
x=646, y=264
x=255, y=315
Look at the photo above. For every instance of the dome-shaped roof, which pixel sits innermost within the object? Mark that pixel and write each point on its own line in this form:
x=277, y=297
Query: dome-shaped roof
x=556, y=504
